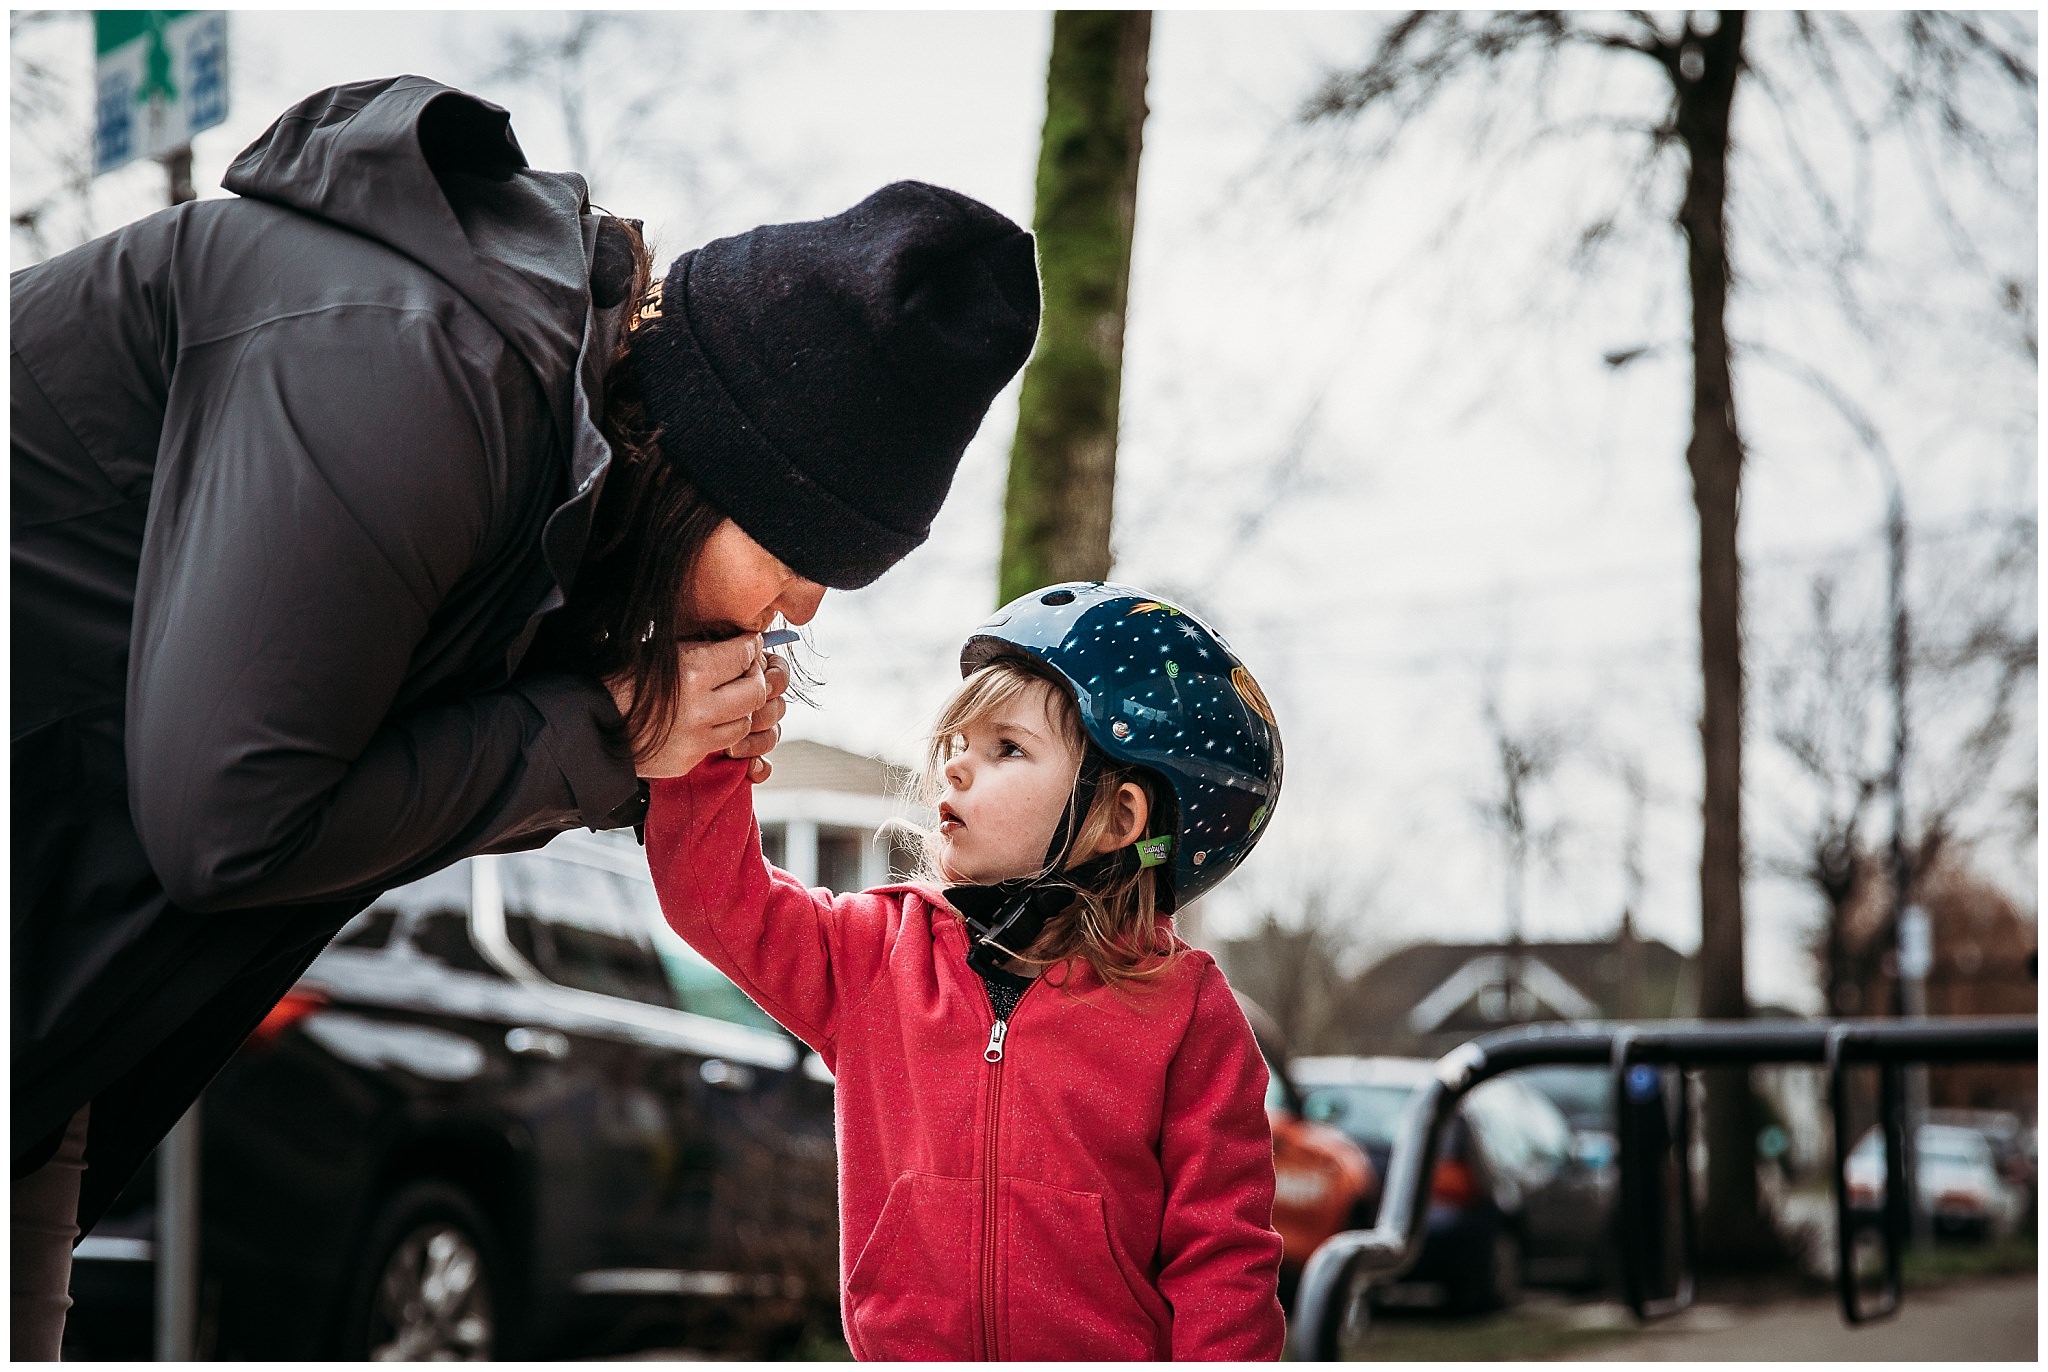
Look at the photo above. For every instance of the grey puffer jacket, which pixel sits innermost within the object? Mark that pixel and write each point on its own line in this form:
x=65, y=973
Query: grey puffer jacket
x=296, y=475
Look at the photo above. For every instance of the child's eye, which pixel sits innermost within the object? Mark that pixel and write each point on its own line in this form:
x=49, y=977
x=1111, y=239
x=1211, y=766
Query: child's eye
x=1008, y=748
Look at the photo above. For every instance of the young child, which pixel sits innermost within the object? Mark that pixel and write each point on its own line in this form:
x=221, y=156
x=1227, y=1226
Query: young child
x=1052, y=1134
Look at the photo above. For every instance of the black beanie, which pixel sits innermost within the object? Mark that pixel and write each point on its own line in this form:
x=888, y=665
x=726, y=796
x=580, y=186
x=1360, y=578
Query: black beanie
x=819, y=381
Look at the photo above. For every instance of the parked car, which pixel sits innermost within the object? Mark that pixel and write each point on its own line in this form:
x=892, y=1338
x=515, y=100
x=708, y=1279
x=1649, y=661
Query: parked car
x=1512, y=1200
x=1585, y=1097
x=2011, y=1143
x=1323, y=1183
x=1956, y=1175
x=506, y=1113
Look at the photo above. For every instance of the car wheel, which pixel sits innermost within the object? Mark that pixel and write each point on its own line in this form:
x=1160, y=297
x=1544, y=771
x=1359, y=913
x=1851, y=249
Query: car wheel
x=1500, y=1285
x=427, y=1288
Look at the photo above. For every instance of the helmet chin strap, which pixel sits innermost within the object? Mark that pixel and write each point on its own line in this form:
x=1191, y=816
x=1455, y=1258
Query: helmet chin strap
x=1006, y=918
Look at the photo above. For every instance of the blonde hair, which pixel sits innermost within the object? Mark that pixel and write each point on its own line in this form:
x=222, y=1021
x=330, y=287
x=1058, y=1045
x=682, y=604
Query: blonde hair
x=1114, y=924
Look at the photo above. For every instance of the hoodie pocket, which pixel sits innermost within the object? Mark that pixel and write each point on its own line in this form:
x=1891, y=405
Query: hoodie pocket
x=1065, y=1295
x=910, y=1296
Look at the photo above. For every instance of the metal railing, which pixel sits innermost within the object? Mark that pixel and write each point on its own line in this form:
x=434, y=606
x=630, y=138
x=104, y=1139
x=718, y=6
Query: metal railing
x=1381, y=1254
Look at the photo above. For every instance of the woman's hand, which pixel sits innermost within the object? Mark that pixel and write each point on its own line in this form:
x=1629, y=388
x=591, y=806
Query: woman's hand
x=729, y=700
x=764, y=726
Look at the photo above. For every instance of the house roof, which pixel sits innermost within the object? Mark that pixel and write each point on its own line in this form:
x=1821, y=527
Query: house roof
x=1432, y=995
x=801, y=765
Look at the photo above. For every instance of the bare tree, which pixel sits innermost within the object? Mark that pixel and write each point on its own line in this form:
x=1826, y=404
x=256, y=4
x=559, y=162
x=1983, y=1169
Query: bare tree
x=1526, y=758
x=1930, y=75
x=1295, y=960
x=642, y=94
x=1827, y=705
x=1058, y=508
x=51, y=127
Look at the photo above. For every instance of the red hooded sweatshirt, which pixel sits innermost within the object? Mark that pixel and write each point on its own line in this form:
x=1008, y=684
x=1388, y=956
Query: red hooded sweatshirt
x=1095, y=1183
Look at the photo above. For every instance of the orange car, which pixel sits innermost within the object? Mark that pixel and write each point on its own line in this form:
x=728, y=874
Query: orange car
x=1323, y=1183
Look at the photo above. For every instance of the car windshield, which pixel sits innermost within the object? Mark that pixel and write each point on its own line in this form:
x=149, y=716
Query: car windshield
x=702, y=988
x=1937, y=1144
x=1584, y=1094
x=1368, y=1113
x=1962, y=1150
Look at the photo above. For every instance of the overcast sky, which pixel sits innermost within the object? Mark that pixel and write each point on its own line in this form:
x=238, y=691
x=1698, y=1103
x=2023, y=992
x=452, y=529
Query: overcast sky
x=1386, y=460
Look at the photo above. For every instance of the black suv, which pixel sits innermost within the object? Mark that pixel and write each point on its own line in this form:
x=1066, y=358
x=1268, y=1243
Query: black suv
x=507, y=1113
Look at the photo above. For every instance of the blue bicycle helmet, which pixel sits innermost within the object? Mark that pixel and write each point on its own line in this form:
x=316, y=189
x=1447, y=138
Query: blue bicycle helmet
x=1157, y=689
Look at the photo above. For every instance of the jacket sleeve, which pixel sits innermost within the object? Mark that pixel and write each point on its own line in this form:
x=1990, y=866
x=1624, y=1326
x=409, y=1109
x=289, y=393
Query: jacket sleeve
x=317, y=500
x=802, y=955
x=1219, y=1253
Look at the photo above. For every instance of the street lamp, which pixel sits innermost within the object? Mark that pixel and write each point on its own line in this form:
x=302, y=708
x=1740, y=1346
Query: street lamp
x=1914, y=949
x=1913, y=933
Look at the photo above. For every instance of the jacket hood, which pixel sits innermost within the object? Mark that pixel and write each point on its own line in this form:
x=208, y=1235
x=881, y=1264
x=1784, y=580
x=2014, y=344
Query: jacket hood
x=437, y=174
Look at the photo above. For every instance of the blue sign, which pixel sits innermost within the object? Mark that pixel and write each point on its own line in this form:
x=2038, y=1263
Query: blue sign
x=162, y=76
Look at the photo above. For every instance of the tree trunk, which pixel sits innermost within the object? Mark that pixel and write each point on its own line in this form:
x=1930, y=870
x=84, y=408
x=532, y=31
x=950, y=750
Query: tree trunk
x=1705, y=71
x=1056, y=517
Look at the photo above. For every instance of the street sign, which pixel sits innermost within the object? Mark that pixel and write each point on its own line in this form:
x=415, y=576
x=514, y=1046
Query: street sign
x=1916, y=944
x=162, y=77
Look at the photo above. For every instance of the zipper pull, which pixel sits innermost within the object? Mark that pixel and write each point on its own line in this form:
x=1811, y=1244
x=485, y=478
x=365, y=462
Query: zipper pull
x=994, y=1051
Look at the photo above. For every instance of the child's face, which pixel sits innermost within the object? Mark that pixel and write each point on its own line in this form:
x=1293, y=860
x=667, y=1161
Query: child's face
x=1007, y=783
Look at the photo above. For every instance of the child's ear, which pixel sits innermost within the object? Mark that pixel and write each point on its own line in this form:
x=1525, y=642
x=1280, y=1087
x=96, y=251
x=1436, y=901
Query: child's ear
x=1128, y=818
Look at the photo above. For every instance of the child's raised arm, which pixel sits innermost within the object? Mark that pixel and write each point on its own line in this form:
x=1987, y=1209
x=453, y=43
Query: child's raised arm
x=796, y=952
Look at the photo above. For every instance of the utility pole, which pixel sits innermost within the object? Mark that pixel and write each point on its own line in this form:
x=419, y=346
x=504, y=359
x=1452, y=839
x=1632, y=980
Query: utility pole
x=1630, y=1001
x=1511, y=964
x=178, y=169
x=1915, y=937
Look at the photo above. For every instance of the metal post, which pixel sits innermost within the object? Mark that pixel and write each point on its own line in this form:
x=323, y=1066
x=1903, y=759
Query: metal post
x=1913, y=941
x=1511, y=961
x=177, y=1240
x=178, y=167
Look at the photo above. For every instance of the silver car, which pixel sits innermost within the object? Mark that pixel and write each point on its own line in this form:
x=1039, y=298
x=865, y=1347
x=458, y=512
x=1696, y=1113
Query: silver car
x=1956, y=1176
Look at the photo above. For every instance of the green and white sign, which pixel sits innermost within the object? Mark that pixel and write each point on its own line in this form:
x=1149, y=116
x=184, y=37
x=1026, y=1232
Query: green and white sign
x=162, y=77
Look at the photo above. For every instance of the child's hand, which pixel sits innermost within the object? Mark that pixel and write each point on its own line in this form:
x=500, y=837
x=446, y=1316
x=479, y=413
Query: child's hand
x=729, y=700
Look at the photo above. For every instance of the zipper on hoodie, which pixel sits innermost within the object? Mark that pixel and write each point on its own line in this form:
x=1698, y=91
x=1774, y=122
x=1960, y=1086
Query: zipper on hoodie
x=998, y=1035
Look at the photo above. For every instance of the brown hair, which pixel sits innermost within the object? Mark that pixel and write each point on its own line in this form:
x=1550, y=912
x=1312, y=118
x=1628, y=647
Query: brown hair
x=1115, y=923
x=626, y=609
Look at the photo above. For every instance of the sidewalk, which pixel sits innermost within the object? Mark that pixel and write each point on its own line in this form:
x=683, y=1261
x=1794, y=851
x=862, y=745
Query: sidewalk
x=1993, y=1319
